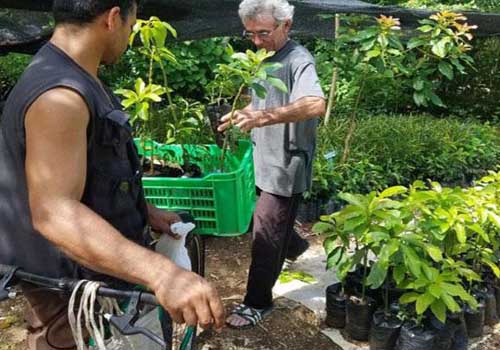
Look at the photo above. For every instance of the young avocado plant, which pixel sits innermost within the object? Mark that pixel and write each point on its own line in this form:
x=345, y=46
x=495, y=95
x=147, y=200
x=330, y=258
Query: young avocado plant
x=153, y=34
x=251, y=71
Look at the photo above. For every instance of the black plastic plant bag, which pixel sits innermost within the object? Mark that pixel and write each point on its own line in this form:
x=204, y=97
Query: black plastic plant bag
x=335, y=306
x=359, y=317
x=384, y=331
x=413, y=337
x=474, y=320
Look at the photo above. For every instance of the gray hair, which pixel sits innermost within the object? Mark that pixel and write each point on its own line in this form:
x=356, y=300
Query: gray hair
x=281, y=10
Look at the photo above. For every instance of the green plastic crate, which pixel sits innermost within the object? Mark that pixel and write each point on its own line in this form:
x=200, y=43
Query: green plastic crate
x=221, y=203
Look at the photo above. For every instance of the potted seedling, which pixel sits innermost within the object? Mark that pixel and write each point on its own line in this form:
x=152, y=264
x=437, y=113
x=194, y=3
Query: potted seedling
x=177, y=122
x=360, y=224
x=153, y=34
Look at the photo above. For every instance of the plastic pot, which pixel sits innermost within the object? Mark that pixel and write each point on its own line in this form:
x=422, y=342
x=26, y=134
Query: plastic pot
x=490, y=308
x=359, y=317
x=474, y=320
x=413, y=337
x=384, y=331
x=335, y=306
x=460, y=339
x=497, y=297
x=451, y=335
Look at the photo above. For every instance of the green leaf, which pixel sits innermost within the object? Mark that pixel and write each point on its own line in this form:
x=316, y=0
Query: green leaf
x=438, y=308
x=413, y=238
x=372, y=54
x=272, y=67
x=423, y=302
x=425, y=29
x=322, y=227
x=351, y=224
x=435, y=99
x=367, y=45
x=377, y=236
x=446, y=69
x=451, y=304
x=329, y=244
x=399, y=274
x=439, y=49
x=419, y=99
x=494, y=219
x=416, y=42
x=240, y=56
x=260, y=91
x=382, y=40
x=170, y=29
x=460, y=231
x=334, y=258
x=435, y=290
x=418, y=84
x=261, y=74
x=140, y=85
x=289, y=276
x=430, y=272
x=494, y=267
x=127, y=103
x=412, y=261
x=434, y=252
x=393, y=191
x=408, y=298
x=351, y=199
x=455, y=290
x=377, y=275
x=277, y=83
x=479, y=230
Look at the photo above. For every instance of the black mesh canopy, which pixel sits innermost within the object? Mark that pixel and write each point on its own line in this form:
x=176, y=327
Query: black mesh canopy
x=25, y=28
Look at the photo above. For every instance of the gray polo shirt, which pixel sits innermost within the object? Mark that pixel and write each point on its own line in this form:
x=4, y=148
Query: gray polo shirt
x=283, y=153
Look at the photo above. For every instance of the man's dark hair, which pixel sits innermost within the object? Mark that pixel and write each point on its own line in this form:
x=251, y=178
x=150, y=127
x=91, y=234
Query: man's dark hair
x=85, y=11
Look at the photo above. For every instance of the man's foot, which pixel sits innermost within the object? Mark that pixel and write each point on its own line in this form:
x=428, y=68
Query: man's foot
x=243, y=316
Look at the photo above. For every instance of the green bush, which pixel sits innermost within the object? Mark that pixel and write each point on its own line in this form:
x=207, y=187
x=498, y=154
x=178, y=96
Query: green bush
x=477, y=93
x=483, y=5
x=399, y=149
x=197, y=61
x=11, y=68
x=439, y=245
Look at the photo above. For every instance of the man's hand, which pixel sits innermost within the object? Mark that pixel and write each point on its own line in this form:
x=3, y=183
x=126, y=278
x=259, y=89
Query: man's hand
x=161, y=220
x=189, y=298
x=245, y=120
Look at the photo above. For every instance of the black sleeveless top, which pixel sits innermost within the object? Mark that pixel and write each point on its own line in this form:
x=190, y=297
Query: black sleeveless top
x=113, y=186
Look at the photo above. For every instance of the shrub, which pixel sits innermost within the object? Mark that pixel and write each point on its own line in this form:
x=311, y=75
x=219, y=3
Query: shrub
x=11, y=68
x=399, y=149
x=477, y=94
x=197, y=61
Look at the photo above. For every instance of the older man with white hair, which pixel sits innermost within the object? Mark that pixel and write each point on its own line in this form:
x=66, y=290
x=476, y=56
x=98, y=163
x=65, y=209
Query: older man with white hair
x=283, y=127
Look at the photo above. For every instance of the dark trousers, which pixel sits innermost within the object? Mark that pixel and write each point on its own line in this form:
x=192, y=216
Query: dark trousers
x=273, y=233
x=47, y=320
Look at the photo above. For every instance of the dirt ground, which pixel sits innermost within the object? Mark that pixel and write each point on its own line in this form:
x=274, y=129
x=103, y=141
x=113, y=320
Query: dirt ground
x=290, y=326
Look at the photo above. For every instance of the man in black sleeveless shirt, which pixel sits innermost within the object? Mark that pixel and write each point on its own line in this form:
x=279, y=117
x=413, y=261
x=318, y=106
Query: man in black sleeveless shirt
x=70, y=181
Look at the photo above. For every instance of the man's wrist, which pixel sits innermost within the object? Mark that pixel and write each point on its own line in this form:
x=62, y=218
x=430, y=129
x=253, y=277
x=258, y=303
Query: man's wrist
x=161, y=268
x=266, y=117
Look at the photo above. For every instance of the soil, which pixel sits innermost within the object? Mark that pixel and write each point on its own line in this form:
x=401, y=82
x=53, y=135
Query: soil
x=171, y=170
x=290, y=326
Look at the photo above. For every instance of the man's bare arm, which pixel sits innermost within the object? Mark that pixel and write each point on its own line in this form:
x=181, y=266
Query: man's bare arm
x=303, y=109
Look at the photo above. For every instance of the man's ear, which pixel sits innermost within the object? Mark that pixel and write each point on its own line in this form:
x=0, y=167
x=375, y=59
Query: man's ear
x=288, y=24
x=112, y=18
